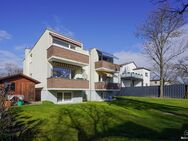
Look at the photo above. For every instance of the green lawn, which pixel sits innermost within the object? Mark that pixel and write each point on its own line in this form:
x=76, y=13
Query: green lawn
x=127, y=118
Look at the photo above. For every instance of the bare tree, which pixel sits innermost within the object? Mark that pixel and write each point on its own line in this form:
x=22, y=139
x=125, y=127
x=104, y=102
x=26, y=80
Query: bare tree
x=181, y=70
x=11, y=69
x=177, y=6
x=158, y=32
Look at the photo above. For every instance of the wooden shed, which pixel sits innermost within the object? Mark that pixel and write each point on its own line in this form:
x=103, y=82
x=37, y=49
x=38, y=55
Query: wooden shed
x=20, y=84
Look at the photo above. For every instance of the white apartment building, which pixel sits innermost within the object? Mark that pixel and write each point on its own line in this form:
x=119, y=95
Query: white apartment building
x=133, y=76
x=68, y=72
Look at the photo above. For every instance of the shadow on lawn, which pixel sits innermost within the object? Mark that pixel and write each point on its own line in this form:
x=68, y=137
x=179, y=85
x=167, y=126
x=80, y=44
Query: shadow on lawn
x=91, y=121
x=95, y=122
x=16, y=127
x=142, y=105
x=133, y=131
x=88, y=121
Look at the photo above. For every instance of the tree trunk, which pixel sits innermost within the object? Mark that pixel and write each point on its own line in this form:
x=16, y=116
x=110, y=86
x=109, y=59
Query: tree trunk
x=161, y=79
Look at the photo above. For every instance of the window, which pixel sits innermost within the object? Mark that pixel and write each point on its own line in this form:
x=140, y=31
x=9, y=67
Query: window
x=72, y=47
x=59, y=97
x=62, y=72
x=155, y=82
x=67, y=96
x=146, y=84
x=12, y=86
x=59, y=42
x=9, y=86
x=146, y=74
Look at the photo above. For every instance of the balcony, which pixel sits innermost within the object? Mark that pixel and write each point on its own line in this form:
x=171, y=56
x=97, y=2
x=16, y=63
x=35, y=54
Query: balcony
x=106, y=66
x=63, y=83
x=63, y=55
x=106, y=85
x=132, y=76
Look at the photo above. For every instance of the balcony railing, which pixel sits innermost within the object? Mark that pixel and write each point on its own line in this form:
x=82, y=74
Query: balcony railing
x=106, y=85
x=67, y=55
x=67, y=83
x=106, y=66
x=132, y=75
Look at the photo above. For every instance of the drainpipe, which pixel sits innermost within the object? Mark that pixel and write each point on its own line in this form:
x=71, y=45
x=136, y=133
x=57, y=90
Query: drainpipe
x=90, y=74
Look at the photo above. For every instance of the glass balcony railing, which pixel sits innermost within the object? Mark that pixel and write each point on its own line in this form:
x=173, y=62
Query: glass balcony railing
x=132, y=75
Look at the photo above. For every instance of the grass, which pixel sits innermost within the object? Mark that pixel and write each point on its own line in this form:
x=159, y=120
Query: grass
x=127, y=118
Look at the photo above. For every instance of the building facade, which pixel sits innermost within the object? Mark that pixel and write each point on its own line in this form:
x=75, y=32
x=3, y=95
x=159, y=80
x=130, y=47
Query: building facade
x=68, y=72
x=133, y=76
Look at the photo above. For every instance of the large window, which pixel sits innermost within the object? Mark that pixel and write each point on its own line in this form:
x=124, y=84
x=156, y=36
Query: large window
x=62, y=72
x=64, y=96
x=105, y=58
x=65, y=44
x=59, y=42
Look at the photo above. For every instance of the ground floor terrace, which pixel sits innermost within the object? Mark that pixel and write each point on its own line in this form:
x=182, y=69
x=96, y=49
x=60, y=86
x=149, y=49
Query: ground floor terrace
x=76, y=96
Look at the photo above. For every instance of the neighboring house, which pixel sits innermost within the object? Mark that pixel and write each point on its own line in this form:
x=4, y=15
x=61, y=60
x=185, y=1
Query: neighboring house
x=156, y=82
x=133, y=76
x=20, y=85
x=67, y=72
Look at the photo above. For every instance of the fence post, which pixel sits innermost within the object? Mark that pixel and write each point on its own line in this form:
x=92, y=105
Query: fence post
x=186, y=91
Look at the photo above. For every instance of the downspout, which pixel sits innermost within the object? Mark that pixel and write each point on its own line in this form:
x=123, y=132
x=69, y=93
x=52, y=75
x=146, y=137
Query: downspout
x=90, y=74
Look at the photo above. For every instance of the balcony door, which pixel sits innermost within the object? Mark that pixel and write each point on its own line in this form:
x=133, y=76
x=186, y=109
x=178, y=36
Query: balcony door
x=59, y=97
x=64, y=97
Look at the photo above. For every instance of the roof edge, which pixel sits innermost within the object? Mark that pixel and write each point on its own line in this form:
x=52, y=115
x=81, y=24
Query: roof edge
x=19, y=74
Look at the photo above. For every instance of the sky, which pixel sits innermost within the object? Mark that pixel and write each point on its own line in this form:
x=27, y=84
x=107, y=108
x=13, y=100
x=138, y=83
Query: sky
x=109, y=25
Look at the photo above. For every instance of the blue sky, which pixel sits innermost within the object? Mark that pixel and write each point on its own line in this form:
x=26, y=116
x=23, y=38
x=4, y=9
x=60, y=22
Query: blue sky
x=106, y=24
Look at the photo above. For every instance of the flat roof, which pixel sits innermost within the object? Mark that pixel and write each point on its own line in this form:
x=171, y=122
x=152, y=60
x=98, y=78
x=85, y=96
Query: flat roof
x=139, y=68
x=129, y=63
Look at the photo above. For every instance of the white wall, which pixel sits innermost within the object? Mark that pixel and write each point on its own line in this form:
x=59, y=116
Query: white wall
x=131, y=68
x=94, y=77
x=146, y=79
x=77, y=96
x=127, y=68
x=37, y=60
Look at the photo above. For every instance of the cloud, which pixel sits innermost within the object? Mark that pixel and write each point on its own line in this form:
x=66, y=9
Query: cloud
x=4, y=35
x=21, y=47
x=137, y=57
x=9, y=57
x=59, y=27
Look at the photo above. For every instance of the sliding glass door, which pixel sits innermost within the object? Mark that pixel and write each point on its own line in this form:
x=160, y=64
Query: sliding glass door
x=64, y=97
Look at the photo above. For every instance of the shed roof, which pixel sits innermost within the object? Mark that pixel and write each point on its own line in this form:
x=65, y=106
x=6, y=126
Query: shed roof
x=17, y=76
